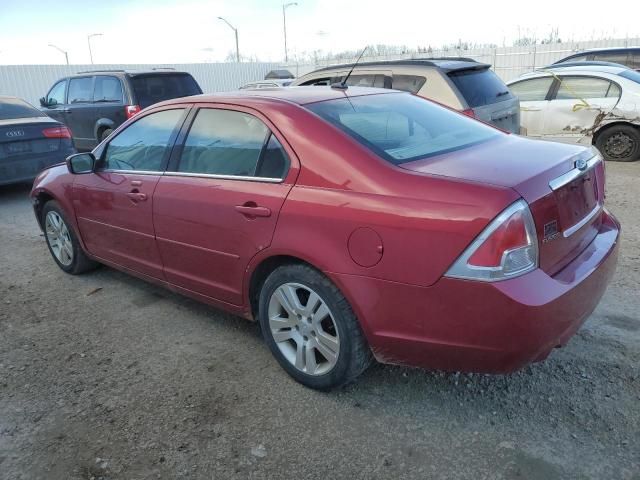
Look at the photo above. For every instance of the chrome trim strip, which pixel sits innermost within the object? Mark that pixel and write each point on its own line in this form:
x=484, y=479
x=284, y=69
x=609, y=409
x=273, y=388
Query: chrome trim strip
x=224, y=177
x=571, y=175
x=571, y=230
x=131, y=172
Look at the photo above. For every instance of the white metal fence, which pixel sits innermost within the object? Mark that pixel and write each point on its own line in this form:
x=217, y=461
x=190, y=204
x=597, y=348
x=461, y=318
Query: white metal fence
x=33, y=81
x=508, y=62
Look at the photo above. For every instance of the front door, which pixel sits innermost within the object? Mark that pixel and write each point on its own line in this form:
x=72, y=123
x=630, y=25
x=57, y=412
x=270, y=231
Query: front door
x=218, y=205
x=114, y=205
x=80, y=112
x=56, y=101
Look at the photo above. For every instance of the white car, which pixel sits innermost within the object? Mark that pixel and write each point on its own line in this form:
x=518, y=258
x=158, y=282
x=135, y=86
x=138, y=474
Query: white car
x=583, y=103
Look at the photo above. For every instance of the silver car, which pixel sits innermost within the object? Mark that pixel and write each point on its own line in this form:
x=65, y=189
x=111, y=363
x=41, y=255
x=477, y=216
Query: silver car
x=461, y=83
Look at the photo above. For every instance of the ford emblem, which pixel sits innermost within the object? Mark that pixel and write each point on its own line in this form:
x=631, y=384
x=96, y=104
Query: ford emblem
x=581, y=164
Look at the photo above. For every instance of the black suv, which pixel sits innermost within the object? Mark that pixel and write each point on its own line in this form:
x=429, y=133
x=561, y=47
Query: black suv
x=92, y=104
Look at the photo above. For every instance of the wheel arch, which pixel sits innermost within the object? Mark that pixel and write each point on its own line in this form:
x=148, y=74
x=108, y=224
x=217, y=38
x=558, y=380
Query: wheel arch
x=40, y=198
x=607, y=126
x=101, y=125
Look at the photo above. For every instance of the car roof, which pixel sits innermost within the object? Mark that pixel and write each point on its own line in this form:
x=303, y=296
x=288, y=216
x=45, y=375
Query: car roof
x=580, y=69
x=298, y=95
x=606, y=49
x=448, y=64
x=133, y=73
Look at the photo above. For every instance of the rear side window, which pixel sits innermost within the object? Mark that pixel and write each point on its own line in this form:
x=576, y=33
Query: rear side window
x=150, y=89
x=223, y=142
x=408, y=83
x=107, y=89
x=615, y=57
x=480, y=87
x=56, y=94
x=400, y=127
x=143, y=145
x=586, y=87
x=274, y=162
x=532, y=90
x=318, y=82
x=363, y=80
x=15, y=108
x=81, y=90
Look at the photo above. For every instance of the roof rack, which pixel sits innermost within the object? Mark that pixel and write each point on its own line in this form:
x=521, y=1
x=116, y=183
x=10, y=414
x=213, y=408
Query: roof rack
x=460, y=59
x=101, y=70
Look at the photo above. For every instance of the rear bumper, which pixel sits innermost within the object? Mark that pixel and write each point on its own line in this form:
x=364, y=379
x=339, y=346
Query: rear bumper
x=462, y=325
x=26, y=169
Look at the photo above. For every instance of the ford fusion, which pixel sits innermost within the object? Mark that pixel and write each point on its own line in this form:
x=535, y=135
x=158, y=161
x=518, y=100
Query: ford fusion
x=353, y=224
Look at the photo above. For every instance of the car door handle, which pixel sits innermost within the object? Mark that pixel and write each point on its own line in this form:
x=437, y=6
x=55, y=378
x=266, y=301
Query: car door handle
x=250, y=210
x=66, y=110
x=137, y=196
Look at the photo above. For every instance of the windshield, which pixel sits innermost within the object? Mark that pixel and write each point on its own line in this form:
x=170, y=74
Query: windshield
x=401, y=127
x=15, y=108
x=480, y=87
x=631, y=75
x=150, y=89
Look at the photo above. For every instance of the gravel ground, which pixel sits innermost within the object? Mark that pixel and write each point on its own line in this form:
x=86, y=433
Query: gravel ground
x=105, y=376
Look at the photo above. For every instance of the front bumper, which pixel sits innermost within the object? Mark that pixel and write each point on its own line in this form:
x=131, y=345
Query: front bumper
x=462, y=325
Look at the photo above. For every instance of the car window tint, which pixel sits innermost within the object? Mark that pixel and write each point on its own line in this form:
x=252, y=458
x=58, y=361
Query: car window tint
x=480, y=87
x=80, y=90
x=150, y=89
x=614, y=90
x=362, y=80
x=107, y=89
x=56, y=95
x=11, y=107
x=615, y=57
x=143, y=145
x=274, y=162
x=223, y=142
x=634, y=61
x=401, y=127
x=408, y=83
x=580, y=58
x=318, y=82
x=582, y=87
x=532, y=90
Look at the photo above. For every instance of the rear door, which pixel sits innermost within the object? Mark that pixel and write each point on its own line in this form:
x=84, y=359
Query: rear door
x=533, y=95
x=108, y=99
x=80, y=111
x=575, y=106
x=114, y=205
x=488, y=97
x=218, y=204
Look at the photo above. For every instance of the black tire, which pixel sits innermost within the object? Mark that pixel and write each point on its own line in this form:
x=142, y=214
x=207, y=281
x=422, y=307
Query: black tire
x=620, y=143
x=79, y=263
x=105, y=133
x=354, y=355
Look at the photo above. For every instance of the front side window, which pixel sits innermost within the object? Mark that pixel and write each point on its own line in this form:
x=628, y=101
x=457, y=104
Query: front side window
x=107, y=89
x=223, y=142
x=81, y=90
x=400, y=127
x=532, y=90
x=56, y=95
x=576, y=88
x=143, y=145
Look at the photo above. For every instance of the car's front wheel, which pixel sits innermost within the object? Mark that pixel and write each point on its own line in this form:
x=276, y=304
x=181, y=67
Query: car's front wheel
x=311, y=328
x=62, y=241
x=620, y=143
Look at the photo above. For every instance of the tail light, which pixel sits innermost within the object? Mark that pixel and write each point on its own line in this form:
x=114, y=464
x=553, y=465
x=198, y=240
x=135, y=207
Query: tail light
x=131, y=110
x=507, y=248
x=57, y=132
x=469, y=112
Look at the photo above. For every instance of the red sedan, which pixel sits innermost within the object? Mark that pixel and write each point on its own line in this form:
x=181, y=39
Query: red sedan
x=351, y=224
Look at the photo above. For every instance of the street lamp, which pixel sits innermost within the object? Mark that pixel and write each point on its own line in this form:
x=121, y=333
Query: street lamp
x=89, y=43
x=284, y=24
x=66, y=56
x=235, y=30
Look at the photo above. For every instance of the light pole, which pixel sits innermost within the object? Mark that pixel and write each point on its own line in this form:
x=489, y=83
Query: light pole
x=66, y=55
x=89, y=43
x=235, y=30
x=284, y=24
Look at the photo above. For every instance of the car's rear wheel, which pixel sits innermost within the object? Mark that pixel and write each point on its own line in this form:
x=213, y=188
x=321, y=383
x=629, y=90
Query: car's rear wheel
x=62, y=241
x=620, y=143
x=311, y=328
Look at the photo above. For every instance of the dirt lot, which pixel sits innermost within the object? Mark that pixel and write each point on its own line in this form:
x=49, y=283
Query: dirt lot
x=105, y=376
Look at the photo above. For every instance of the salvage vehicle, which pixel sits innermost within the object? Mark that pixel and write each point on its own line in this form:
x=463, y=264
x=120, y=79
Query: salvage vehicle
x=459, y=83
x=94, y=103
x=351, y=223
x=29, y=141
x=628, y=56
x=583, y=103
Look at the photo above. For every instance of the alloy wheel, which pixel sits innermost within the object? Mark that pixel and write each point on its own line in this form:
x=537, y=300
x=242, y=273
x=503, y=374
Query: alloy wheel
x=59, y=238
x=304, y=329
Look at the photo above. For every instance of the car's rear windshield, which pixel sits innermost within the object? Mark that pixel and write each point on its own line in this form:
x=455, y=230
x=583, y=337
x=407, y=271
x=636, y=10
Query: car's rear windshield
x=631, y=75
x=401, y=127
x=150, y=89
x=480, y=87
x=11, y=108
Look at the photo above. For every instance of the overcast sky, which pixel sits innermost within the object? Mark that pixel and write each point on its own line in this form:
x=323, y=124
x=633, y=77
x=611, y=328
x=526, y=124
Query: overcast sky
x=173, y=31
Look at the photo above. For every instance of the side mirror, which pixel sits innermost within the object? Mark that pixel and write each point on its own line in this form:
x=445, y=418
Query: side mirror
x=43, y=102
x=81, y=163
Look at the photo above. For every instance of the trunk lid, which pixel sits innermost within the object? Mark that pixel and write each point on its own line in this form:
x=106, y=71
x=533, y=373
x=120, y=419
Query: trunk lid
x=566, y=202
x=23, y=136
